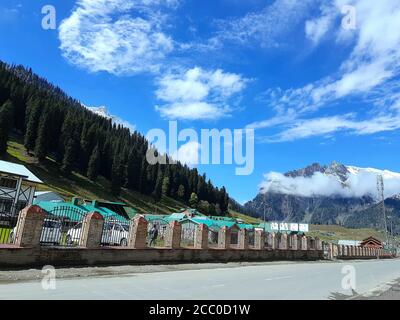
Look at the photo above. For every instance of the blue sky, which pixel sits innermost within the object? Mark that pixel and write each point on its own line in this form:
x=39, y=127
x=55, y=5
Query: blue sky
x=313, y=89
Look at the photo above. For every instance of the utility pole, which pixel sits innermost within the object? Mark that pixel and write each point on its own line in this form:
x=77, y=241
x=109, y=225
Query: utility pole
x=381, y=194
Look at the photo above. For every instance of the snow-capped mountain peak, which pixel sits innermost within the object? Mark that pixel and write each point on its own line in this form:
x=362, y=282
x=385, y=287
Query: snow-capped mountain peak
x=384, y=173
x=331, y=180
x=102, y=111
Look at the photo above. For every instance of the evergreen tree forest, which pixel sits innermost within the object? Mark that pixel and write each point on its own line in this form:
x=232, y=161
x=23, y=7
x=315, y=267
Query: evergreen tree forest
x=54, y=125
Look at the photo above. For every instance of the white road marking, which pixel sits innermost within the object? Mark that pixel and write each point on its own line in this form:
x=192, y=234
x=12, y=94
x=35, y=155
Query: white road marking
x=217, y=285
x=278, y=278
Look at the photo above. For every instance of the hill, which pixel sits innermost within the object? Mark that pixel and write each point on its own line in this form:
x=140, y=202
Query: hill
x=79, y=185
x=78, y=151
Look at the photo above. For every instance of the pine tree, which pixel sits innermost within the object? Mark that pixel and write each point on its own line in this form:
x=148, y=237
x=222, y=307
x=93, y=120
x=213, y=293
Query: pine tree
x=94, y=164
x=133, y=170
x=159, y=184
x=69, y=156
x=116, y=173
x=204, y=206
x=6, y=124
x=181, y=191
x=194, y=200
x=41, y=144
x=143, y=180
x=33, y=117
x=165, y=187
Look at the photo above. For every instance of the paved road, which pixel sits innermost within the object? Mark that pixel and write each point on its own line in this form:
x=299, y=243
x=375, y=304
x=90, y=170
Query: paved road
x=315, y=280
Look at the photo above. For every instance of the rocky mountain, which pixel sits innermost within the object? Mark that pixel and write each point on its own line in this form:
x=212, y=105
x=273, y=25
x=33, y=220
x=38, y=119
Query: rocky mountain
x=327, y=194
x=372, y=215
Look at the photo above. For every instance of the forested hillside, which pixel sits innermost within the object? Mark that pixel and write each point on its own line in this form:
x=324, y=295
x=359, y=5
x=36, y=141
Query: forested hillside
x=56, y=128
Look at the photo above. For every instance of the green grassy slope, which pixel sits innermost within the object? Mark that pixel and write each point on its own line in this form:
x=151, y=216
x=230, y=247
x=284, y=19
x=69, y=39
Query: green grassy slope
x=79, y=185
x=334, y=233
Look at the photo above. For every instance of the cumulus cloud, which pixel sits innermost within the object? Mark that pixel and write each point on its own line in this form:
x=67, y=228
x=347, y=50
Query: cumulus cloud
x=116, y=36
x=319, y=184
x=370, y=74
x=188, y=153
x=198, y=94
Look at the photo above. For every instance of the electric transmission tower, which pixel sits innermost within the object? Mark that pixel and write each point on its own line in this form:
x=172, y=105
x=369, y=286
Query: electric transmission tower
x=381, y=195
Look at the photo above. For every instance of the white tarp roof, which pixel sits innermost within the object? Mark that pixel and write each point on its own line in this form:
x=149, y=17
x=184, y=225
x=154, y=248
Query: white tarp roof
x=349, y=243
x=18, y=170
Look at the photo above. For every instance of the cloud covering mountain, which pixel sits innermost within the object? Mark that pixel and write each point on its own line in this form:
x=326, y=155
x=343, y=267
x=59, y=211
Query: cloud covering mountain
x=329, y=181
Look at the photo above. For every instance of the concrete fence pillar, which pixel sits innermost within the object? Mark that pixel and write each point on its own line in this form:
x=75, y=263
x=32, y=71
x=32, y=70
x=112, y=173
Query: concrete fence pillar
x=29, y=227
x=271, y=240
x=278, y=240
x=330, y=251
x=283, y=241
x=294, y=242
x=173, y=236
x=92, y=230
x=138, y=233
x=201, y=237
x=335, y=250
x=304, y=243
x=311, y=243
x=340, y=249
x=318, y=244
x=243, y=239
x=259, y=239
x=224, y=238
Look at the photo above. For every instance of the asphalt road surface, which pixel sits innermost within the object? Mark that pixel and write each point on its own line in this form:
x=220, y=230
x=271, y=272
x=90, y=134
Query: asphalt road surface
x=314, y=280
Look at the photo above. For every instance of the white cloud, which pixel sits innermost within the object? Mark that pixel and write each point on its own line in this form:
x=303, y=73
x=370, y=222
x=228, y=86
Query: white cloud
x=328, y=125
x=266, y=27
x=370, y=74
x=188, y=153
x=357, y=185
x=116, y=36
x=198, y=94
x=316, y=29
